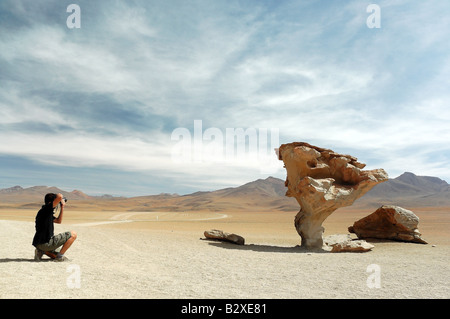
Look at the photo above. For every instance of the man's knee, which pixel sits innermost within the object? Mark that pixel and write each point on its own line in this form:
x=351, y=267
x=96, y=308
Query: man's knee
x=73, y=234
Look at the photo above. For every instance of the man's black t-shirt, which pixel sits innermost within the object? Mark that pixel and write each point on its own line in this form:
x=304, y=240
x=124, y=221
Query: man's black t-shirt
x=44, y=225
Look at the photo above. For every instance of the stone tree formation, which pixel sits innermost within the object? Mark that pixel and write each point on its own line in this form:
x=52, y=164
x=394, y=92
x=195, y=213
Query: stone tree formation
x=322, y=181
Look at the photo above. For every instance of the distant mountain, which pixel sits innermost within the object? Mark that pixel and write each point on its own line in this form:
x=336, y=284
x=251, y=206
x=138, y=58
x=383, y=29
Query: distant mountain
x=260, y=195
x=270, y=187
x=17, y=194
x=407, y=190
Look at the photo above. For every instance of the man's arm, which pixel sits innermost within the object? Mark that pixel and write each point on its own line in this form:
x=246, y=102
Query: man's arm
x=57, y=199
x=63, y=203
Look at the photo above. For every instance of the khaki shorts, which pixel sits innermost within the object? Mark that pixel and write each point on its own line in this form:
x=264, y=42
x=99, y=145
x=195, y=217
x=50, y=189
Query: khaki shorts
x=55, y=242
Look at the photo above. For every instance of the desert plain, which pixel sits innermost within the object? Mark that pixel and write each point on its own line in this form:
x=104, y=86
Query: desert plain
x=153, y=255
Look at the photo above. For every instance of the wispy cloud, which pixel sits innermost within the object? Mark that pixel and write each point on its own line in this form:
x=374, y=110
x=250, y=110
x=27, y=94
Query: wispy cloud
x=109, y=95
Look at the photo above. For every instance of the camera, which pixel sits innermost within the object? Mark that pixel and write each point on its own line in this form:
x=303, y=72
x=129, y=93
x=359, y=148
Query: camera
x=57, y=208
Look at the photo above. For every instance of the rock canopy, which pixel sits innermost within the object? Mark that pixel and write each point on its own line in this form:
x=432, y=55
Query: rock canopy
x=389, y=222
x=321, y=181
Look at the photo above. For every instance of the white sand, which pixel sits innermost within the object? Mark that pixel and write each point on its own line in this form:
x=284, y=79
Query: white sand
x=125, y=262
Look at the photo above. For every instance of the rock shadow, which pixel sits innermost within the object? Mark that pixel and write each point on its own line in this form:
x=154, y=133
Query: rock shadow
x=264, y=248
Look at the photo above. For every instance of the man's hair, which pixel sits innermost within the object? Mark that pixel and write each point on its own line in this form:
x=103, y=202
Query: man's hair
x=49, y=198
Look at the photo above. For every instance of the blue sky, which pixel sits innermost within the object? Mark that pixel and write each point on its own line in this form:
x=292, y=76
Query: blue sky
x=95, y=108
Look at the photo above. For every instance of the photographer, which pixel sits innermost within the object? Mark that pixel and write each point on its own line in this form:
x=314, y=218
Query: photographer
x=44, y=240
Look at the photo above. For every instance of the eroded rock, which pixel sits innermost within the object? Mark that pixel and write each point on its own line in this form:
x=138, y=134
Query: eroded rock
x=321, y=181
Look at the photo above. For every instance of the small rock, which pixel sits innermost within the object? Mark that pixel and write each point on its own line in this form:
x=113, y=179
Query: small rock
x=344, y=243
x=223, y=236
x=331, y=240
x=352, y=246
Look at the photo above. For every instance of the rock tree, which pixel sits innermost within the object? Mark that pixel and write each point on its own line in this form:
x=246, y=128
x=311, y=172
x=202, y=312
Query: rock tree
x=322, y=181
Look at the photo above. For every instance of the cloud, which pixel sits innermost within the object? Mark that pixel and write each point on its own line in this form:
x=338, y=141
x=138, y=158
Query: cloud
x=112, y=92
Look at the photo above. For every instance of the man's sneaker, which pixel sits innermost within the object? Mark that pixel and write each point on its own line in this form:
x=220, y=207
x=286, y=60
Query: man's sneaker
x=38, y=254
x=61, y=258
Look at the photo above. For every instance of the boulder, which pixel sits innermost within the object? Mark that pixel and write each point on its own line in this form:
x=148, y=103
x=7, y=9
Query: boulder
x=321, y=181
x=389, y=222
x=223, y=236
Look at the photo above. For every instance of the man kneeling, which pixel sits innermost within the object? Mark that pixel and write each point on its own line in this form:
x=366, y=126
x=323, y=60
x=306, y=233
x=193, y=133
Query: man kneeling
x=44, y=240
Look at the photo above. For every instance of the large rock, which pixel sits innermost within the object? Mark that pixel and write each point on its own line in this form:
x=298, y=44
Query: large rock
x=223, y=236
x=389, y=222
x=322, y=181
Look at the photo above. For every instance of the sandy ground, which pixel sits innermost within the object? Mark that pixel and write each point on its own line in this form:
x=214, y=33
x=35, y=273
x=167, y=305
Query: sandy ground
x=160, y=255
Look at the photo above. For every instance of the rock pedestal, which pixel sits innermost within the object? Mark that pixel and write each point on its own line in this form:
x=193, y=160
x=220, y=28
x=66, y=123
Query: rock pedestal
x=322, y=181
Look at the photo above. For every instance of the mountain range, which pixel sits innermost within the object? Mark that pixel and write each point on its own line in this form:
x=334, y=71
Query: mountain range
x=407, y=190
